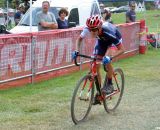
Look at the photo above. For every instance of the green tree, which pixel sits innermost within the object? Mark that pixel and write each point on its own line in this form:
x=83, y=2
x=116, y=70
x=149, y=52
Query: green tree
x=1, y=3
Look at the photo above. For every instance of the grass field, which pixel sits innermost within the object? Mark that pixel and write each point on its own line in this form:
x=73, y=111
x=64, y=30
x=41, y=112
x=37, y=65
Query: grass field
x=46, y=105
x=152, y=18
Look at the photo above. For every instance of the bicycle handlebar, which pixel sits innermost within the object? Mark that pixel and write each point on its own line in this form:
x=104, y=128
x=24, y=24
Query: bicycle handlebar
x=85, y=56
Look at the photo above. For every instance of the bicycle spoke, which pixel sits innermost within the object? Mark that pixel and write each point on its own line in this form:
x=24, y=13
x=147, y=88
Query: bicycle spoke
x=82, y=100
x=112, y=101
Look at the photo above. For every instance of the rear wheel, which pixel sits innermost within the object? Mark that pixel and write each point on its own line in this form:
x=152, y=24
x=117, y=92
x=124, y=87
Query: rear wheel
x=152, y=39
x=82, y=99
x=112, y=101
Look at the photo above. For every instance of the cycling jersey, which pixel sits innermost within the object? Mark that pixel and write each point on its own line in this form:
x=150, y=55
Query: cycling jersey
x=109, y=36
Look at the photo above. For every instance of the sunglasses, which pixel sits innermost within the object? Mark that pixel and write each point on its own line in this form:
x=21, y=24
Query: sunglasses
x=93, y=30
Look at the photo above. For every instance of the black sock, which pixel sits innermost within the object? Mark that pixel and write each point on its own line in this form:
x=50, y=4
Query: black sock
x=109, y=81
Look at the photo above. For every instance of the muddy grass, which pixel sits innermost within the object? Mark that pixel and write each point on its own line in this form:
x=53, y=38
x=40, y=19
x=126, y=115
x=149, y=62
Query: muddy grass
x=46, y=105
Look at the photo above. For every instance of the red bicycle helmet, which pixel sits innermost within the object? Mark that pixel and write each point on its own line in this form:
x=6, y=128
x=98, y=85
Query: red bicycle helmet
x=94, y=22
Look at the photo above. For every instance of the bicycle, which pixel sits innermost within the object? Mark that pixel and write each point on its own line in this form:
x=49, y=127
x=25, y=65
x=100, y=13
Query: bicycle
x=83, y=94
x=153, y=39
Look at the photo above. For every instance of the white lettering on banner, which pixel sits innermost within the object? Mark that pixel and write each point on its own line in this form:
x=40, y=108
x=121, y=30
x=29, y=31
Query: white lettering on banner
x=50, y=53
x=1, y=41
x=17, y=56
x=28, y=58
x=61, y=49
x=40, y=50
x=68, y=42
x=62, y=45
x=11, y=55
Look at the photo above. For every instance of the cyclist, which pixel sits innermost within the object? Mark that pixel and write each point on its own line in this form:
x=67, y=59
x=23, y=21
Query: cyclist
x=106, y=35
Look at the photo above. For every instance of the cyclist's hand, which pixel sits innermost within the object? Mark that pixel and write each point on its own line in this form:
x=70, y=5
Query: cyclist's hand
x=106, y=60
x=74, y=55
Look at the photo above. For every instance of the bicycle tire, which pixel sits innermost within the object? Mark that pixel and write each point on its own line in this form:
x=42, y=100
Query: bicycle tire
x=111, y=103
x=75, y=113
x=153, y=41
x=154, y=44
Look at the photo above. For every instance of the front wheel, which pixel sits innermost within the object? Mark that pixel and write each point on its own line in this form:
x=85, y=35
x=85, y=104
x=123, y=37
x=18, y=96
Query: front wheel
x=112, y=101
x=82, y=99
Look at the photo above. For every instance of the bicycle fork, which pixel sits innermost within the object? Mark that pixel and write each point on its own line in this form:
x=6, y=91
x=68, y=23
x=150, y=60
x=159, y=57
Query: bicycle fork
x=98, y=86
x=87, y=95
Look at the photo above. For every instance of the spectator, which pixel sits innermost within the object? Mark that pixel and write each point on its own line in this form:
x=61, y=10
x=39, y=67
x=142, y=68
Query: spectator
x=101, y=5
x=8, y=22
x=45, y=19
x=18, y=15
x=26, y=5
x=106, y=15
x=62, y=22
x=131, y=14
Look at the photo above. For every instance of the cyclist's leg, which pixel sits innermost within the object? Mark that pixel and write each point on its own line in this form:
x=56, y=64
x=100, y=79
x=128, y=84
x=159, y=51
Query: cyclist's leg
x=99, y=51
x=99, y=74
x=95, y=99
x=110, y=50
x=108, y=86
x=110, y=71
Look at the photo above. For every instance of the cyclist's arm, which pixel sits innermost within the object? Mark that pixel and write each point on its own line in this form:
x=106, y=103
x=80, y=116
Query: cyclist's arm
x=116, y=39
x=78, y=43
x=120, y=50
x=83, y=34
x=49, y=25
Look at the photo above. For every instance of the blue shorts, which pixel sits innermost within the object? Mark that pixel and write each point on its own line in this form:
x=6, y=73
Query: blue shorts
x=100, y=48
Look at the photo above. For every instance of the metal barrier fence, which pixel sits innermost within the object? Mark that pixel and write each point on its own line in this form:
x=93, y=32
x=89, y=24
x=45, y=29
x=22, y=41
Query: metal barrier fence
x=27, y=55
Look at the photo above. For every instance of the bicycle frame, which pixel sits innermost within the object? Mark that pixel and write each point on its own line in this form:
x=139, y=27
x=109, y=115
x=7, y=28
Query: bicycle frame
x=84, y=91
x=115, y=91
x=94, y=78
x=93, y=71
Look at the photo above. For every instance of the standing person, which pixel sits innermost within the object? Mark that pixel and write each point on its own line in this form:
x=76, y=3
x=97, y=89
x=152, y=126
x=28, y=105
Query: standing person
x=131, y=14
x=26, y=5
x=45, y=19
x=106, y=15
x=62, y=22
x=7, y=22
x=106, y=34
x=18, y=15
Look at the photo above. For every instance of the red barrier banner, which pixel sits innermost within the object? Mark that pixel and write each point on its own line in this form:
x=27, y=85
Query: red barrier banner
x=13, y=50
x=36, y=53
x=130, y=35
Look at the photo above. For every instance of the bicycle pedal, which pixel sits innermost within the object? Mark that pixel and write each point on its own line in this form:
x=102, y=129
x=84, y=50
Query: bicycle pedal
x=96, y=103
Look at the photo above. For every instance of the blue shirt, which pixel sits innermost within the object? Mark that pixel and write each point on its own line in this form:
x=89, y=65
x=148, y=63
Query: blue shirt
x=131, y=15
x=62, y=24
x=17, y=15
